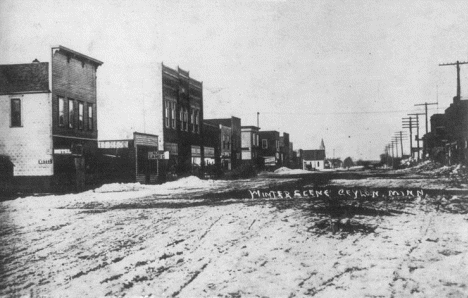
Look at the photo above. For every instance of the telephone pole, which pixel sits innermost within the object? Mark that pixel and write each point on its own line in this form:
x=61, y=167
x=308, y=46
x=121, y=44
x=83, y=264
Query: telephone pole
x=427, y=127
x=410, y=122
x=458, y=75
x=417, y=132
x=399, y=135
x=426, y=104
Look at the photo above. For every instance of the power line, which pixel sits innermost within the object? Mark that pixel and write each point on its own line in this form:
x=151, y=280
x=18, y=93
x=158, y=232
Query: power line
x=336, y=113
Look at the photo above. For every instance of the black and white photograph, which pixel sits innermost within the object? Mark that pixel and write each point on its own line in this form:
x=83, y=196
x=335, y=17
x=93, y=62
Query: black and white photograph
x=233, y=148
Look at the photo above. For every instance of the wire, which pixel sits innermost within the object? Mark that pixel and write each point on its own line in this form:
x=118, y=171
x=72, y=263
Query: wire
x=335, y=113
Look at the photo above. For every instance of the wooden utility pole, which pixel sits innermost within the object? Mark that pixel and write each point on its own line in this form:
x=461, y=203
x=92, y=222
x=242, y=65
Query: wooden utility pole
x=427, y=127
x=426, y=104
x=458, y=75
x=395, y=141
x=417, y=132
x=410, y=123
x=399, y=136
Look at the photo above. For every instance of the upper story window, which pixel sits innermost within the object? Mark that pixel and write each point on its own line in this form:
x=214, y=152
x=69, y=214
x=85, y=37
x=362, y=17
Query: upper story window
x=181, y=118
x=166, y=113
x=90, y=117
x=277, y=144
x=173, y=114
x=186, y=119
x=61, y=111
x=71, y=112
x=192, y=119
x=16, y=112
x=197, y=121
x=80, y=115
x=264, y=143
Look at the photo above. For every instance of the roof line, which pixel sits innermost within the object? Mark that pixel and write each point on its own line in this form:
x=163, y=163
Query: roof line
x=78, y=54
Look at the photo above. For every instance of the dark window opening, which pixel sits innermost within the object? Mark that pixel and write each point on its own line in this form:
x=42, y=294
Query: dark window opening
x=15, y=112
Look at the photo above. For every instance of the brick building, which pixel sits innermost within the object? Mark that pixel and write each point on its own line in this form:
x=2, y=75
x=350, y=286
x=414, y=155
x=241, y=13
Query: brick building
x=179, y=100
x=212, y=148
x=231, y=135
x=48, y=119
x=448, y=140
x=270, y=148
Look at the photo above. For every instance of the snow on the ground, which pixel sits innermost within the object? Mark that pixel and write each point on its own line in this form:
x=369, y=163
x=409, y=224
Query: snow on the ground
x=239, y=249
x=429, y=183
x=288, y=171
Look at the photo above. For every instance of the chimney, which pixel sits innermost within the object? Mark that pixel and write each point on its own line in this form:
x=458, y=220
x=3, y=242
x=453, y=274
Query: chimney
x=35, y=61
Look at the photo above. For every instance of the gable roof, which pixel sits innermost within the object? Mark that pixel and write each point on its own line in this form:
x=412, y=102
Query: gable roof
x=31, y=77
x=313, y=154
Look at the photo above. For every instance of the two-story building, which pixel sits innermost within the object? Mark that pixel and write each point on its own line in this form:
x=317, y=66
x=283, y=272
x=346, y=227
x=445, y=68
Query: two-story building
x=250, y=144
x=48, y=120
x=230, y=141
x=179, y=101
x=270, y=148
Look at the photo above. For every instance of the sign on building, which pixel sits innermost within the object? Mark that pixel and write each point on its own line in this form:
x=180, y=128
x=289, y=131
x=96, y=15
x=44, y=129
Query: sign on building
x=152, y=155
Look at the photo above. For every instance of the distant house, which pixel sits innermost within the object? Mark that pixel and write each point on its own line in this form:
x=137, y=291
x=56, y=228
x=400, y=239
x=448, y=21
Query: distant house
x=334, y=163
x=314, y=159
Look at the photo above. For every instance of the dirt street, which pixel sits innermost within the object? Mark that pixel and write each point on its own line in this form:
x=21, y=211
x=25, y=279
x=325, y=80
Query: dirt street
x=123, y=244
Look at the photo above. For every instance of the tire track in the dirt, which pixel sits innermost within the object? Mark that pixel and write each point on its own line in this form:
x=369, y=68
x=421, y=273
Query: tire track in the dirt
x=192, y=278
x=397, y=273
x=330, y=282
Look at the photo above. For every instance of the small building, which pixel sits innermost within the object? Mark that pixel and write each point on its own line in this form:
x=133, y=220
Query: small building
x=230, y=143
x=334, y=163
x=250, y=144
x=131, y=160
x=314, y=159
x=270, y=148
x=48, y=120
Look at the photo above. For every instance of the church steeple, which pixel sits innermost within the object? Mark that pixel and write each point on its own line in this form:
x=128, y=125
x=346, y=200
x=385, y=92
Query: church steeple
x=322, y=145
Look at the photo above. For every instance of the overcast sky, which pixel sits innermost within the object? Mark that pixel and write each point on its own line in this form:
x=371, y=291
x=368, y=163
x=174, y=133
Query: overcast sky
x=344, y=71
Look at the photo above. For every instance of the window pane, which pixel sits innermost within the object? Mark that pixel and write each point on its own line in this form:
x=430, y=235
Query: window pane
x=90, y=117
x=80, y=115
x=15, y=112
x=71, y=113
x=61, y=118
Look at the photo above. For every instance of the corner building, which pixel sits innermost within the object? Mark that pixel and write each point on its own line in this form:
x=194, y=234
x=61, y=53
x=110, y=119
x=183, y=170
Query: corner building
x=48, y=120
